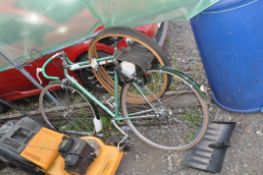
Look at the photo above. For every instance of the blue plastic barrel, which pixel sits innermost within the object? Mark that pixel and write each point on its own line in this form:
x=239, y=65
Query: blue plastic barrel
x=229, y=36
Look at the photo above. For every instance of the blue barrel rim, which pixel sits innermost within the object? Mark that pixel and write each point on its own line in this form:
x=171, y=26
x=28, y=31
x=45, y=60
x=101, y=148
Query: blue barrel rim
x=222, y=4
x=253, y=110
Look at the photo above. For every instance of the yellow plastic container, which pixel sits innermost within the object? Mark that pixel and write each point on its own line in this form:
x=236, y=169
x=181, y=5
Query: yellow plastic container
x=43, y=148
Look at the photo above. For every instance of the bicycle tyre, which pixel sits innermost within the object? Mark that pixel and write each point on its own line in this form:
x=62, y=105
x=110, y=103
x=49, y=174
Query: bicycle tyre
x=168, y=114
x=160, y=57
x=60, y=114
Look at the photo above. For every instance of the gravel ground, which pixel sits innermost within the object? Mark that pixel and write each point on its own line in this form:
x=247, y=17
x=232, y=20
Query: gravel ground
x=245, y=155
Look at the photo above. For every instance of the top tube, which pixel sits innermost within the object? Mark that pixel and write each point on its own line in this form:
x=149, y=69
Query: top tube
x=73, y=66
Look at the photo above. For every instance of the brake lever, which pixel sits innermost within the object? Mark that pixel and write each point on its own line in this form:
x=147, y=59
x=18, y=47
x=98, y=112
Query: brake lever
x=59, y=54
x=38, y=71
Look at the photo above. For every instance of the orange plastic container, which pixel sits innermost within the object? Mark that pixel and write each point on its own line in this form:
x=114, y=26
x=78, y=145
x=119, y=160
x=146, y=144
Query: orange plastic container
x=43, y=148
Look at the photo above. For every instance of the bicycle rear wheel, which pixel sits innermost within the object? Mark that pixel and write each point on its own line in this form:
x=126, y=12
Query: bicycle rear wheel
x=177, y=120
x=64, y=108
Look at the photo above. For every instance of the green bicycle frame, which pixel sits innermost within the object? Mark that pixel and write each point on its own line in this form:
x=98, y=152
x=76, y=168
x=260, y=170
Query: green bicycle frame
x=68, y=65
x=85, y=92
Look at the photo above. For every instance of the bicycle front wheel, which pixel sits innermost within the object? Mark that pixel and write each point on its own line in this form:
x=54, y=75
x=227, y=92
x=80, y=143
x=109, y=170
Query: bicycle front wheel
x=64, y=108
x=175, y=121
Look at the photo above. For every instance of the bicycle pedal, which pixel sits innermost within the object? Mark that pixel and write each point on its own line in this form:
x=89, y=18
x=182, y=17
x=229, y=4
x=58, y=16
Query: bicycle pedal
x=125, y=146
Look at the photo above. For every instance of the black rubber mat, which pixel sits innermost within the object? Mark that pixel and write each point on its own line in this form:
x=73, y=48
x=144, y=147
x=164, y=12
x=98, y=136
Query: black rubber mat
x=137, y=55
x=209, y=154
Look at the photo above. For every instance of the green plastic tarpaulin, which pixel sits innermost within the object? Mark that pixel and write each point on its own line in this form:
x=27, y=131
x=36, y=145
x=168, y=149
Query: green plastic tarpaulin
x=138, y=12
x=30, y=26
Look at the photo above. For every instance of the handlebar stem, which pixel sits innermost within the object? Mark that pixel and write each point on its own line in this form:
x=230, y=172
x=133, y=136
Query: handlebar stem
x=63, y=56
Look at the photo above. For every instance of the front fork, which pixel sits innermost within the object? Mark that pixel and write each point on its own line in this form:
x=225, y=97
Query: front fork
x=122, y=143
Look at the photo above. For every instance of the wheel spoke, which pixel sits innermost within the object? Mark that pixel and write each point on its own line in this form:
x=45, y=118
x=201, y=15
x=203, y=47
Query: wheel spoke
x=162, y=123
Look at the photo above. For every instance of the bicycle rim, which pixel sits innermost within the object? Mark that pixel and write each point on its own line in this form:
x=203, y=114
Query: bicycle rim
x=67, y=110
x=175, y=121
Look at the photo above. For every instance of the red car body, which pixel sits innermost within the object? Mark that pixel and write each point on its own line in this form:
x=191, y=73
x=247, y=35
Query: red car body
x=15, y=86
